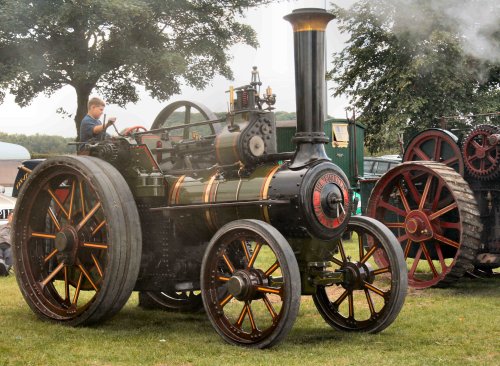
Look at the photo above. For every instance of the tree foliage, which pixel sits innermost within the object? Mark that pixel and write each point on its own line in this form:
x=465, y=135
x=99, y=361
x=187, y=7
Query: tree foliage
x=111, y=46
x=406, y=64
x=41, y=145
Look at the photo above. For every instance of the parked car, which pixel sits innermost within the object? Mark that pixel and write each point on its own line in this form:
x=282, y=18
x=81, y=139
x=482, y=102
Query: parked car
x=7, y=204
x=377, y=166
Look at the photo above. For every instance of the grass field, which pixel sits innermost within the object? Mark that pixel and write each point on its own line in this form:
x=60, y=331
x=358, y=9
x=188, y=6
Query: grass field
x=460, y=325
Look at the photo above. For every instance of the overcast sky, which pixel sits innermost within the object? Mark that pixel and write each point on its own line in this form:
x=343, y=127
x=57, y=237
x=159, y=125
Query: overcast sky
x=274, y=59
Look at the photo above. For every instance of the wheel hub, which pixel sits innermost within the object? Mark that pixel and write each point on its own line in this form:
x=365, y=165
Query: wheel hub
x=418, y=226
x=66, y=243
x=242, y=285
x=66, y=239
x=356, y=274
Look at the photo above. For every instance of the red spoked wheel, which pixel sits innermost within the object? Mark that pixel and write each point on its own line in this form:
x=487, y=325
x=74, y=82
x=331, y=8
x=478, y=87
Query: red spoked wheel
x=435, y=145
x=481, y=150
x=250, y=284
x=433, y=213
x=77, y=240
x=372, y=294
x=130, y=130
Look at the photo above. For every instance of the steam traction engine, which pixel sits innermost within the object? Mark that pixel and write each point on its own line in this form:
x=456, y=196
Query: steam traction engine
x=443, y=204
x=208, y=215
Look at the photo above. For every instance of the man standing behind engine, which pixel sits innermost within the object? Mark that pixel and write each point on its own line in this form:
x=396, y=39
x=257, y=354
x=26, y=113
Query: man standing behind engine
x=5, y=248
x=91, y=126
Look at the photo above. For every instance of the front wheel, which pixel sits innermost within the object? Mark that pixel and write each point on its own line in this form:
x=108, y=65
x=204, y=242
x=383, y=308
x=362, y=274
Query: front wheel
x=250, y=284
x=371, y=296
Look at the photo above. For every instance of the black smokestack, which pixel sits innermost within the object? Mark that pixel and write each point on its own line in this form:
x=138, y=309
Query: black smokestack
x=309, y=49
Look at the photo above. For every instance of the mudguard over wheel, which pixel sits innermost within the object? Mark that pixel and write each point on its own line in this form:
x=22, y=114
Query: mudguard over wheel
x=372, y=294
x=250, y=284
x=76, y=240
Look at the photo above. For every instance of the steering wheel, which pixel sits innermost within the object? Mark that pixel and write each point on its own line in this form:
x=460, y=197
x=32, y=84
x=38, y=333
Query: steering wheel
x=128, y=131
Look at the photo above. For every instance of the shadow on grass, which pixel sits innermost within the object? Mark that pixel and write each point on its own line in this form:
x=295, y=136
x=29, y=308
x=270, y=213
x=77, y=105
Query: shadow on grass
x=472, y=287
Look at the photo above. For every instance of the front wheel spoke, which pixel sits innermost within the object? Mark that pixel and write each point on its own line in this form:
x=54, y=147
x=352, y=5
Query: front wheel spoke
x=56, y=200
x=351, y=305
x=223, y=278
x=429, y=259
x=245, y=249
x=250, y=317
x=269, y=290
x=341, y=298
x=368, y=254
x=225, y=300
x=370, y=302
x=87, y=275
x=342, y=252
x=95, y=245
x=52, y=274
x=447, y=241
x=376, y=290
x=228, y=263
x=50, y=255
x=77, y=290
x=442, y=211
x=269, y=307
x=337, y=262
x=43, y=235
x=88, y=216
x=54, y=219
x=272, y=269
x=360, y=245
x=254, y=255
x=381, y=270
x=241, y=318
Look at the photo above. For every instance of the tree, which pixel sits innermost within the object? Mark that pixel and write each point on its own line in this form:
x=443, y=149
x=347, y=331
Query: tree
x=111, y=46
x=408, y=62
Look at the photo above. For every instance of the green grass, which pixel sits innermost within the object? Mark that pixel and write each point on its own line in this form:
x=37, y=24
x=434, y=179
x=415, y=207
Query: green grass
x=435, y=327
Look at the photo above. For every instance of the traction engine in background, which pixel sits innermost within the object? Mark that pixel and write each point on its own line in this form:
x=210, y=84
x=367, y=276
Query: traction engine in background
x=204, y=213
x=443, y=204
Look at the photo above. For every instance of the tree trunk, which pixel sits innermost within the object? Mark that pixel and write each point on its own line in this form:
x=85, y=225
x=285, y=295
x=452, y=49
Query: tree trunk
x=82, y=94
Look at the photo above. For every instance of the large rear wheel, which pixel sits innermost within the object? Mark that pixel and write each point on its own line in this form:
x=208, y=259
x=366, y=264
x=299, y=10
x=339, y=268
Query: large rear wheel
x=77, y=240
